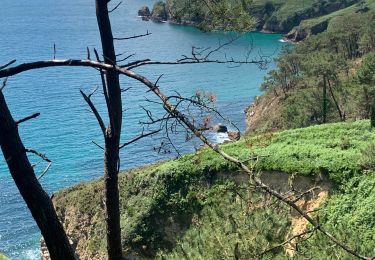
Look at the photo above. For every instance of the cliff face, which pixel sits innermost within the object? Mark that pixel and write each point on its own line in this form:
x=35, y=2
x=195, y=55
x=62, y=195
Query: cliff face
x=83, y=227
x=173, y=208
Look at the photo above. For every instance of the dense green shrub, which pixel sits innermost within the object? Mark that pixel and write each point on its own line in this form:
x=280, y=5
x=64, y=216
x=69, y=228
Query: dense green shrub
x=235, y=224
x=328, y=77
x=175, y=206
x=350, y=215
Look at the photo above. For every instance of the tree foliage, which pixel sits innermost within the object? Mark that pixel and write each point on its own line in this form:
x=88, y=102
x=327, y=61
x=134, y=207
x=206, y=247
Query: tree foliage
x=227, y=15
x=328, y=77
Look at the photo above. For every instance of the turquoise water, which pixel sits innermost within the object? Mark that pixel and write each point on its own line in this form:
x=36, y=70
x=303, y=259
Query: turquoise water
x=65, y=128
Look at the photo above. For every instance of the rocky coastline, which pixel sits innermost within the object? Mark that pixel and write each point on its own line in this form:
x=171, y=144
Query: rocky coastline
x=294, y=28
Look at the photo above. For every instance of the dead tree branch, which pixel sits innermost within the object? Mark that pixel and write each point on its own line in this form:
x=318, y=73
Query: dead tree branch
x=141, y=136
x=45, y=171
x=114, y=8
x=7, y=64
x=43, y=156
x=302, y=234
x=87, y=98
x=133, y=37
x=4, y=84
x=27, y=118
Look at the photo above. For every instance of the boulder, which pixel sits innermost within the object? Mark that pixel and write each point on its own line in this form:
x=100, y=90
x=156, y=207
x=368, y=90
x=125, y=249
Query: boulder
x=159, y=12
x=234, y=136
x=144, y=12
x=219, y=128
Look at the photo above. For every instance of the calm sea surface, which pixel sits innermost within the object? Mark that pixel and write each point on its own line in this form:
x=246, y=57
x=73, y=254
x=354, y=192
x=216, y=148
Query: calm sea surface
x=65, y=129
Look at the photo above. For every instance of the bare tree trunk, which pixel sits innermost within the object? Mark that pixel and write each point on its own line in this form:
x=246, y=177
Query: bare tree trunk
x=341, y=114
x=36, y=198
x=324, y=99
x=112, y=135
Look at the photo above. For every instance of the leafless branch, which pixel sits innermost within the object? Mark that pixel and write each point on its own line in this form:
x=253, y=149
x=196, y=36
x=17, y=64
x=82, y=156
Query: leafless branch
x=127, y=57
x=133, y=37
x=45, y=171
x=126, y=89
x=143, y=135
x=192, y=61
x=117, y=6
x=105, y=89
x=7, y=64
x=4, y=84
x=88, y=53
x=27, y=118
x=43, y=156
x=94, y=110
x=287, y=241
x=101, y=147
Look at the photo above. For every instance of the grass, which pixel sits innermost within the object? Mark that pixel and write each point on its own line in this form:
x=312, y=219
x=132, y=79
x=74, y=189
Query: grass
x=339, y=13
x=286, y=14
x=159, y=202
x=3, y=257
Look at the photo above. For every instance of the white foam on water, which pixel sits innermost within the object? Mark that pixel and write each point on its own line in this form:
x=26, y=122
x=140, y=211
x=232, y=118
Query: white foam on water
x=220, y=138
x=28, y=254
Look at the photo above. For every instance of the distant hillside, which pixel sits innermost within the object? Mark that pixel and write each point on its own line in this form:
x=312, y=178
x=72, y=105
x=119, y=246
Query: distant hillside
x=319, y=24
x=201, y=207
x=295, y=18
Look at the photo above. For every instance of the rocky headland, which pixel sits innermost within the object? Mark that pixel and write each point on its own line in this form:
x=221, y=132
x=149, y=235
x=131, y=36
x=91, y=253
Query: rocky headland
x=295, y=21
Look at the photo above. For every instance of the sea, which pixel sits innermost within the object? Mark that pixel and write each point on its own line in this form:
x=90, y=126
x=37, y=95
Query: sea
x=44, y=29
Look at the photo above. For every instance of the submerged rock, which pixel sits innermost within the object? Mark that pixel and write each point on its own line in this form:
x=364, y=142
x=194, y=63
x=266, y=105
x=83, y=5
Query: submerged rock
x=234, y=136
x=219, y=128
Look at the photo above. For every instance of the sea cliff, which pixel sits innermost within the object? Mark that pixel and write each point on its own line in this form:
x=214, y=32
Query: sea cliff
x=180, y=203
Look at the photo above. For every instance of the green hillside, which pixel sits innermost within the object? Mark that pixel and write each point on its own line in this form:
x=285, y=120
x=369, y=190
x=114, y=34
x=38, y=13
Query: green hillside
x=321, y=23
x=171, y=209
x=284, y=16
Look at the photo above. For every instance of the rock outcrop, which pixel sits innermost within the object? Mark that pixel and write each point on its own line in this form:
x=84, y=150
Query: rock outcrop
x=219, y=128
x=159, y=12
x=234, y=135
x=144, y=12
x=301, y=32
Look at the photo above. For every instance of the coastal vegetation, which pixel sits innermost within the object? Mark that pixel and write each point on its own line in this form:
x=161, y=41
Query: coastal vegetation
x=296, y=19
x=201, y=207
x=326, y=78
x=301, y=173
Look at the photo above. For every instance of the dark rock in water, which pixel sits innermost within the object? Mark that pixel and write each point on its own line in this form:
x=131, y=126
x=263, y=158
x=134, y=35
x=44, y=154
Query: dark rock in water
x=234, y=136
x=145, y=18
x=219, y=128
x=144, y=12
x=159, y=12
